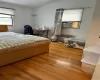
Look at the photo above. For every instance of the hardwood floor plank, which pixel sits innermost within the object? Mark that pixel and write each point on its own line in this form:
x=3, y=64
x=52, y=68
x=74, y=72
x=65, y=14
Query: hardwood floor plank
x=34, y=70
x=59, y=70
x=14, y=74
x=61, y=63
x=2, y=77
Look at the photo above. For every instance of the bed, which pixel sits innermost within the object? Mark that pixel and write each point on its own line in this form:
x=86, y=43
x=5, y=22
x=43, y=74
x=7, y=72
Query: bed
x=15, y=47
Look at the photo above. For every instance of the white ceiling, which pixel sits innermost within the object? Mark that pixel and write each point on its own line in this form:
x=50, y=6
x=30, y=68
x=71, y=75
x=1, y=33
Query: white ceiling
x=30, y=3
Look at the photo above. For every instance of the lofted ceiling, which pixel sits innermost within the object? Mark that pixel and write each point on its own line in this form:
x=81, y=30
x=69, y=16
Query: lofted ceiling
x=30, y=3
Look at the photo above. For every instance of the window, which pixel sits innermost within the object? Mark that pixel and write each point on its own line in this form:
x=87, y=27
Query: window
x=6, y=16
x=72, y=18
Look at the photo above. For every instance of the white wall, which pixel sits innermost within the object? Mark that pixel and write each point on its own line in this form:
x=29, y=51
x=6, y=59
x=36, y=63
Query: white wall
x=22, y=16
x=46, y=15
x=93, y=37
x=94, y=32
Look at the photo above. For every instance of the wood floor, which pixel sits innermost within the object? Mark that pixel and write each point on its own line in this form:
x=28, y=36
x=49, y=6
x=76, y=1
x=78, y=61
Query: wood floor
x=61, y=63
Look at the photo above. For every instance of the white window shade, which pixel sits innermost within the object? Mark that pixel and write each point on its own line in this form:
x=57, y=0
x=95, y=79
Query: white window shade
x=6, y=11
x=72, y=15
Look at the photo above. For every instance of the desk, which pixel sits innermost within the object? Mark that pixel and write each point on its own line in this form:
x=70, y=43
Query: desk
x=41, y=32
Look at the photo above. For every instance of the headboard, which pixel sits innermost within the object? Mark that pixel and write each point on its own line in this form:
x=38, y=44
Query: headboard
x=3, y=28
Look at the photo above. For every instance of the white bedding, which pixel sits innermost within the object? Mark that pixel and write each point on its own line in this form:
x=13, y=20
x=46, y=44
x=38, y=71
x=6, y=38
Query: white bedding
x=11, y=39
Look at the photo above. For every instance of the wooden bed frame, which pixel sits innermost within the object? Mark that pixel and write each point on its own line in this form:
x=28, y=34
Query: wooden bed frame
x=10, y=56
x=3, y=28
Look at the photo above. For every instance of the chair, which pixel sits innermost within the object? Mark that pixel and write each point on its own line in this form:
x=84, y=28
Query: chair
x=28, y=30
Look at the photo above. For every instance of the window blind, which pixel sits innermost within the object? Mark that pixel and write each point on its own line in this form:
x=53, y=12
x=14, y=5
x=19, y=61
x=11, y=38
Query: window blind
x=6, y=11
x=72, y=15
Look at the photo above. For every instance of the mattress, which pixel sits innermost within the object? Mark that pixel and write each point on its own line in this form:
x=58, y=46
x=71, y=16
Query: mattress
x=10, y=40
